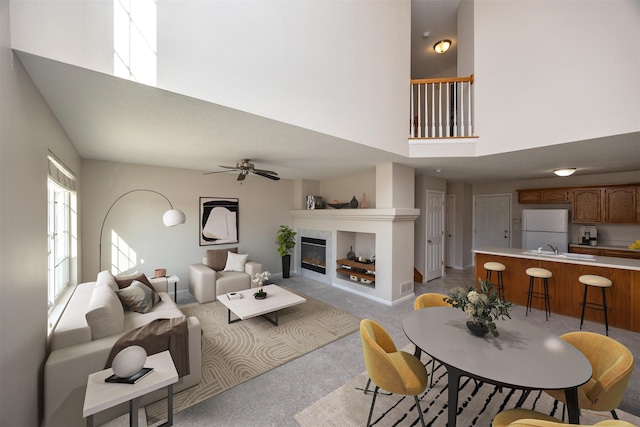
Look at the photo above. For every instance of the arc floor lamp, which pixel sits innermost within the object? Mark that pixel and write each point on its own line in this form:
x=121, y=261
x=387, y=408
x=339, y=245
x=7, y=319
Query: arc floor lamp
x=171, y=218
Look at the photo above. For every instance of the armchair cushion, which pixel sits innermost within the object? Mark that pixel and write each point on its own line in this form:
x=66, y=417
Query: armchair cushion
x=235, y=262
x=217, y=258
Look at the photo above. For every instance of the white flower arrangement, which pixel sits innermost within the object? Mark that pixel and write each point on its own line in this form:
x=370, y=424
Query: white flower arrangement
x=260, y=278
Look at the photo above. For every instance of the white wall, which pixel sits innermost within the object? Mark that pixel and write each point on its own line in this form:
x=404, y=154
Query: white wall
x=27, y=130
x=576, y=79
x=337, y=67
x=344, y=190
x=263, y=205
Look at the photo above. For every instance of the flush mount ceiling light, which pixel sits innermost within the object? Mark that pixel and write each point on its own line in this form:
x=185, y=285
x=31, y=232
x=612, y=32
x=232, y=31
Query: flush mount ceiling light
x=564, y=171
x=442, y=46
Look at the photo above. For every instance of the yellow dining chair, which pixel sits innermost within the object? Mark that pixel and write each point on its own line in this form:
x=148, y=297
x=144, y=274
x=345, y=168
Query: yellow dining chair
x=527, y=418
x=396, y=371
x=425, y=301
x=612, y=364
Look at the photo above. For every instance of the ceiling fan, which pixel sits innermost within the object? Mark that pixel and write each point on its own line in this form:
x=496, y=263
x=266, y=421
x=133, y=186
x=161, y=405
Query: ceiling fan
x=245, y=167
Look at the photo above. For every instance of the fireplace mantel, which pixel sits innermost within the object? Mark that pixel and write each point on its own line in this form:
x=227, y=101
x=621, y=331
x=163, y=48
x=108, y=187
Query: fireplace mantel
x=390, y=214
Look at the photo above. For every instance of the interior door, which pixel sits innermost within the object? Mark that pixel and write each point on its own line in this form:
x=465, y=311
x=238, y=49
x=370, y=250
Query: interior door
x=449, y=230
x=492, y=222
x=435, y=234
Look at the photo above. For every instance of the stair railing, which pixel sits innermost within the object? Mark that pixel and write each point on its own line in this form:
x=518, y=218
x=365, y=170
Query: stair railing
x=442, y=108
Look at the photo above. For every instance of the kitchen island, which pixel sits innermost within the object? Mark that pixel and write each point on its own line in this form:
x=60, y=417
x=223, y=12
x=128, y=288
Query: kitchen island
x=566, y=292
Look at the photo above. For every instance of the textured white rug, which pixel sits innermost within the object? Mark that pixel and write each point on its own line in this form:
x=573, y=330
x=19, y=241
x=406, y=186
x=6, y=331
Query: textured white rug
x=477, y=405
x=235, y=353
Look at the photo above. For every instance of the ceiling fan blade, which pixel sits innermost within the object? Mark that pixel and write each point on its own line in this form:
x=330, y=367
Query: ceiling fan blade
x=209, y=173
x=265, y=171
x=228, y=167
x=242, y=176
x=275, y=178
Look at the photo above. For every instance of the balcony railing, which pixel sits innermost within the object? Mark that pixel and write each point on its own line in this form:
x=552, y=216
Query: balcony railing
x=442, y=108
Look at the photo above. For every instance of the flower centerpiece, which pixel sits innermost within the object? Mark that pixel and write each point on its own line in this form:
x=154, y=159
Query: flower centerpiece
x=482, y=304
x=259, y=280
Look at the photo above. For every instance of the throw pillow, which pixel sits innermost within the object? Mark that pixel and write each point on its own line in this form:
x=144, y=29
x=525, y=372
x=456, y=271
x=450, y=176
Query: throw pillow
x=235, y=262
x=217, y=258
x=138, y=297
x=125, y=280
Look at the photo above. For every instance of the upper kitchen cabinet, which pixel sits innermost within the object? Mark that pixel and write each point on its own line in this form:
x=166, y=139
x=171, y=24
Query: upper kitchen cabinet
x=620, y=204
x=587, y=205
x=544, y=195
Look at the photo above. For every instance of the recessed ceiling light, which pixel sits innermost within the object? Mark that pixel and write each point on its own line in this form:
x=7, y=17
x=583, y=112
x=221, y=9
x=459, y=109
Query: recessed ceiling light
x=564, y=171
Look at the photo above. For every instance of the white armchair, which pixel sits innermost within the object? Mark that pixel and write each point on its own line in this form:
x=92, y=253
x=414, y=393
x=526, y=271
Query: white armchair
x=209, y=279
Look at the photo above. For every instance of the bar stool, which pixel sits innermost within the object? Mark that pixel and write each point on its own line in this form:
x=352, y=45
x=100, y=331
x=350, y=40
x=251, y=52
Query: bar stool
x=600, y=282
x=544, y=275
x=498, y=268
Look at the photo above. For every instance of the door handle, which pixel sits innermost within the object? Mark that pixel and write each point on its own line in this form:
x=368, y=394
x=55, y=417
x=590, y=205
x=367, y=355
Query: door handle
x=429, y=241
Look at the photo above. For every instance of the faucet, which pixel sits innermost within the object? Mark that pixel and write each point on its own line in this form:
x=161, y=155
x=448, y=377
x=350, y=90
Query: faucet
x=554, y=249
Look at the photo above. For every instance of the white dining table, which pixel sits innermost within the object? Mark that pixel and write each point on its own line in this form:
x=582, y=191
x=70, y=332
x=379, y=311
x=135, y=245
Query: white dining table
x=523, y=356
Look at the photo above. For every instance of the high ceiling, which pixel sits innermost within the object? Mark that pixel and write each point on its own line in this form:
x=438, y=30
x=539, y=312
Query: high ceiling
x=112, y=119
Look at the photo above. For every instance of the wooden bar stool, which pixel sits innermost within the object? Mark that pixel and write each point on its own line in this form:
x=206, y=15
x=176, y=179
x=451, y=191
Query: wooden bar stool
x=600, y=282
x=498, y=268
x=544, y=275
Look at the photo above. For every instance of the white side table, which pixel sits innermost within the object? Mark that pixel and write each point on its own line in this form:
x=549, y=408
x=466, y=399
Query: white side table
x=174, y=280
x=101, y=395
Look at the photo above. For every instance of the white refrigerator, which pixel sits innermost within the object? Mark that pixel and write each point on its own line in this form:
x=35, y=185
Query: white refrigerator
x=543, y=227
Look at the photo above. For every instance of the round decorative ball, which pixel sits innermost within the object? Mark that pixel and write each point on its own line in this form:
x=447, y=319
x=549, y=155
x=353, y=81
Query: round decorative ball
x=129, y=361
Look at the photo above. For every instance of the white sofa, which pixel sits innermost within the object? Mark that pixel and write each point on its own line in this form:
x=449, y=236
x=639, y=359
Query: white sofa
x=209, y=279
x=82, y=340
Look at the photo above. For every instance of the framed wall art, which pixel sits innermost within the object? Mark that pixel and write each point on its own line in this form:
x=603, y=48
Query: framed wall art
x=218, y=221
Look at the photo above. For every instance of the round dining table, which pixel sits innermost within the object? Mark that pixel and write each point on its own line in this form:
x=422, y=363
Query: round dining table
x=523, y=356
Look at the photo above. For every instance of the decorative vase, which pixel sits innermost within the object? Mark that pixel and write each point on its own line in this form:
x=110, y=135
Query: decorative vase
x=353, y=204
x=129, y=361
x=364, y=204
x=286, y=266
x=260, y=295
x=477, y=329
x=351, y=255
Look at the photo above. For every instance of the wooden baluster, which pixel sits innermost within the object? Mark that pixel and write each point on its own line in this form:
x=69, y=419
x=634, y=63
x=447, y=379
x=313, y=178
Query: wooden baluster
x=433, y=109
x=462, y=110
x=447, y=112
x=469, y=128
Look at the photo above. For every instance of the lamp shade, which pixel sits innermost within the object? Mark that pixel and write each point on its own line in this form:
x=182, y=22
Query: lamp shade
x=442, y=46
x=173, y=217
x=564, y=171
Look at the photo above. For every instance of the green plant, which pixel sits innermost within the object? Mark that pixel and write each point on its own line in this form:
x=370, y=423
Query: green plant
x=286, y=240
x=481, y=303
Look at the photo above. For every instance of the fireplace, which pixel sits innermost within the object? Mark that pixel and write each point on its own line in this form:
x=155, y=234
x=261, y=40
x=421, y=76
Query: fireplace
x=314, y=254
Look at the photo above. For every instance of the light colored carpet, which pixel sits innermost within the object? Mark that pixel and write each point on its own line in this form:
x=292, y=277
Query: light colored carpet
x=235, y=353
x=478, y=404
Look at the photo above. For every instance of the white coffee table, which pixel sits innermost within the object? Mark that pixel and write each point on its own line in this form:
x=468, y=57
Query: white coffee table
x=247, y=306
x=101, y=395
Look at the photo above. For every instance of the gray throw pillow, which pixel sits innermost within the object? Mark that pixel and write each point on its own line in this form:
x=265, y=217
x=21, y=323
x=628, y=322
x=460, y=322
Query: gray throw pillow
x=138, y=297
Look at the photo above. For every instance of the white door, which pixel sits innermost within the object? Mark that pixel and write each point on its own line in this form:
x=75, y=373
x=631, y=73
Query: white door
x=435, y=233
x=492, y=223
x=449, y=231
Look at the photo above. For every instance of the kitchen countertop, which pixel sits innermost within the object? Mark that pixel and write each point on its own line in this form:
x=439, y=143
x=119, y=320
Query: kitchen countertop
x=598, y=261
x=617, y=248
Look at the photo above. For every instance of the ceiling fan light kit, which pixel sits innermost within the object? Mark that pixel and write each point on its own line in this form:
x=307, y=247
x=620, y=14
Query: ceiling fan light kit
x=245, y=167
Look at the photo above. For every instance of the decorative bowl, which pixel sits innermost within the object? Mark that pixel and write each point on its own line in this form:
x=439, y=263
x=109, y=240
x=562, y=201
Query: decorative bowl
x=338, y=205
x=129, y=361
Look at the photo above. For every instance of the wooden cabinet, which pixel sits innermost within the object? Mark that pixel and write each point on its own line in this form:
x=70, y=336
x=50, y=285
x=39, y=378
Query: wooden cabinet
x=544, y=195
x=365, y=273
x=617, y=253
x=620, y=204
x=587, y=205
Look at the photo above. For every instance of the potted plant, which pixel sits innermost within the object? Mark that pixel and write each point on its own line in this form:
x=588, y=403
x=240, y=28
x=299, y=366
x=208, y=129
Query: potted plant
x=286, y=242
x=259, y=280
x=482, y=304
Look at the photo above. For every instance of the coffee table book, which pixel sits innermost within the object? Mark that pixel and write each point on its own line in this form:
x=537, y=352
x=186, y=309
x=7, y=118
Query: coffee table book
x=129, y=380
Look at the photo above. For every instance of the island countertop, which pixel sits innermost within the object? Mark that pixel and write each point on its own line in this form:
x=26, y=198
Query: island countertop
x=569, y=258
x=565, y=289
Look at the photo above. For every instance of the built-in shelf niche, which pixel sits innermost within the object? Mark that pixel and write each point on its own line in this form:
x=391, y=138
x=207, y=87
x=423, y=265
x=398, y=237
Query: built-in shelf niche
x=363, y=245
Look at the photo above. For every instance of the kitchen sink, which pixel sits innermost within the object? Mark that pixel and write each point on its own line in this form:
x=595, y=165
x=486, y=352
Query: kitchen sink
x=559, y=255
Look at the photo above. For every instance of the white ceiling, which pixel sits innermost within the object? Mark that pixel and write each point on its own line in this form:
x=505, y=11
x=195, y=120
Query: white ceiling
x=112, y=119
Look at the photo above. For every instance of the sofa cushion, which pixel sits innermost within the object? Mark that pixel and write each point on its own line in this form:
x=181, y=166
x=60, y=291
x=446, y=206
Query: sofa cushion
x=138, y=297
x=105, y=277
x=105, y=314
x=217, y=258
x=235, y=262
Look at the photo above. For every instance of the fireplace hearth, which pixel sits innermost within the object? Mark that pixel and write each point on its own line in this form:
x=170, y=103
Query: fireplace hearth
x=314, y=254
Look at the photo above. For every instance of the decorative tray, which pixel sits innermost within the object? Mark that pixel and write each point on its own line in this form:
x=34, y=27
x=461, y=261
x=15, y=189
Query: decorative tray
x=338, y=205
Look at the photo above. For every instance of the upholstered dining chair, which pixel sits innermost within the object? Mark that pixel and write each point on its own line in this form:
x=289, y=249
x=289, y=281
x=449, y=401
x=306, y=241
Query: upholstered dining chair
x=527, y=418
x=612, y=364
x=396, y=371
x=425, y=301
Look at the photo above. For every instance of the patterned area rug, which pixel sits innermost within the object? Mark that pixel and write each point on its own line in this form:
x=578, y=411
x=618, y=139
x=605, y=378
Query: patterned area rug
x=235, y=353
x=478, y=404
